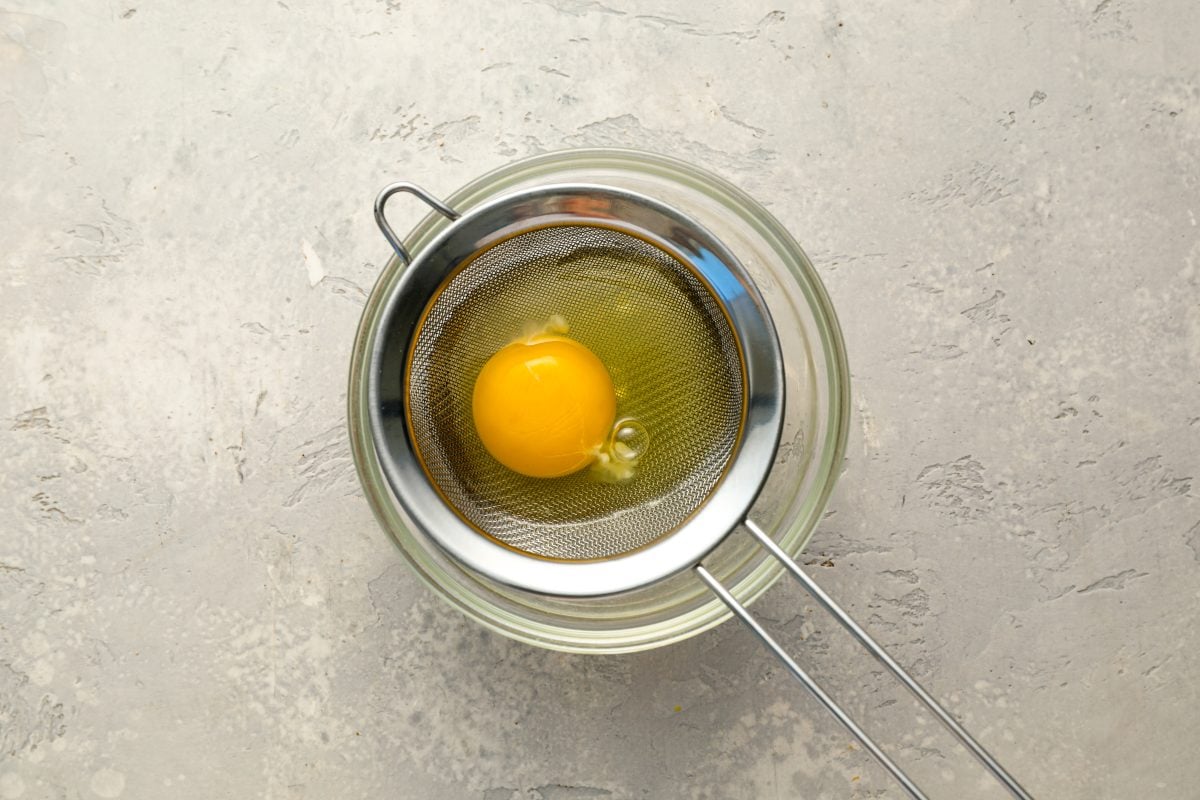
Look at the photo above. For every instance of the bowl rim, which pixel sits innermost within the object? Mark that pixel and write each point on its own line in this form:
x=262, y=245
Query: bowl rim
x=832, y=447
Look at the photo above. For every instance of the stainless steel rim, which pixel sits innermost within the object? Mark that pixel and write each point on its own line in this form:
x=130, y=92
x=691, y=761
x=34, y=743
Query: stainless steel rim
x=676, y=234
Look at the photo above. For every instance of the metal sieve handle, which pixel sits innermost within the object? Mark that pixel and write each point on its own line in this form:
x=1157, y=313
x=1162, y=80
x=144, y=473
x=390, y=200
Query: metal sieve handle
x=411, y=188
x=874, y=649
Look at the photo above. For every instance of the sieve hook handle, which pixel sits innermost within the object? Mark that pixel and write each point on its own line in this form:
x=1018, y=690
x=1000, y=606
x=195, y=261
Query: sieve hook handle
x=873, y=647
x=413, y=189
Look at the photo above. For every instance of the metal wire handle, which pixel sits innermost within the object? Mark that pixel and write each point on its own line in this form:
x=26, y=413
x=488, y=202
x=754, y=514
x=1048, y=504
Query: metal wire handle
x=976, y=749
x=380, y=220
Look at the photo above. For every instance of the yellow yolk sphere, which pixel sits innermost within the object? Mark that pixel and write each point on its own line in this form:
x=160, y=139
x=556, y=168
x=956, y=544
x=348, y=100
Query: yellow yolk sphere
x=544, y=406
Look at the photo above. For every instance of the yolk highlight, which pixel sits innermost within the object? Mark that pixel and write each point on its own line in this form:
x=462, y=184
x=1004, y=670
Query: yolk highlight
x=544, y=406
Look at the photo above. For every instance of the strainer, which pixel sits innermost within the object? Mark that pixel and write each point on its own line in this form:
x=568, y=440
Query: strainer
x=711, y=332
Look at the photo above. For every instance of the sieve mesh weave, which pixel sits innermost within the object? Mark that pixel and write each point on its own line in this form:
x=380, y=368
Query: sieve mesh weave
x=668, y=348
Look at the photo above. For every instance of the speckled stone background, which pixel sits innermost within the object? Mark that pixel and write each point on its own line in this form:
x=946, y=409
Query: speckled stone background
x=195, y=601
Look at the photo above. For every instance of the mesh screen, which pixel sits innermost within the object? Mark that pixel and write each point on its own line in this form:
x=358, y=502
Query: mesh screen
x=668, y=348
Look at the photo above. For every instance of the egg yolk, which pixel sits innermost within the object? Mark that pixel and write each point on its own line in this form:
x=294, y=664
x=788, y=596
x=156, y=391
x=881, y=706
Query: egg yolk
x=544, y=406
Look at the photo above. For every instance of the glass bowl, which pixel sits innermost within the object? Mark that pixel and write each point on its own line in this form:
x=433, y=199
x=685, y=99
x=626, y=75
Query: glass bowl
x=806, y=463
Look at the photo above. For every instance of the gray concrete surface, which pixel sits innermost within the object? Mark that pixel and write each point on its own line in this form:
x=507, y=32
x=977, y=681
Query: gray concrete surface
x=195, y=601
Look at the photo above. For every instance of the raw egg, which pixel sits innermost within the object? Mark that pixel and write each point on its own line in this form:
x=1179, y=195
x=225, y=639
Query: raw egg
x=544, y=405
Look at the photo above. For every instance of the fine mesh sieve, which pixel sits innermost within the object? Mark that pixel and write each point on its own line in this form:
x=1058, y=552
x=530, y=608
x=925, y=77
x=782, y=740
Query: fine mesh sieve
x=677, y=321
x=715, y=363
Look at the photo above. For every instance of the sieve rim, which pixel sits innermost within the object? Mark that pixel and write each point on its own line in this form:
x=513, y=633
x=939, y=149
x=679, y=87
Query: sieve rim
x=680, y=237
